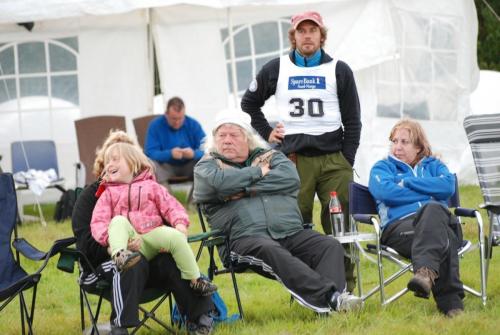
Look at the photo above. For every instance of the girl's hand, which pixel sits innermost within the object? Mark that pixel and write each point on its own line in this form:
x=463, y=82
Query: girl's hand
x=134, y=244
x=182, y=228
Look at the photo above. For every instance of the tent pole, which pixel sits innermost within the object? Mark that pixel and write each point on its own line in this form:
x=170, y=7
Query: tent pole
x=232, y=55
x=150, y=48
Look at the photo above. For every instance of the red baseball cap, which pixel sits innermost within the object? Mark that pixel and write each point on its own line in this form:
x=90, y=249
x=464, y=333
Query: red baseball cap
x=311, y=16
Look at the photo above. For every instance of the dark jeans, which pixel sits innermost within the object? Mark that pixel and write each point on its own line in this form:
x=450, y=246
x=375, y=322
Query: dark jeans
x=433, y=244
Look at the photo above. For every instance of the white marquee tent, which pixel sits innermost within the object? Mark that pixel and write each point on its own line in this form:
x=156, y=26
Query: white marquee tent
x=95, y=57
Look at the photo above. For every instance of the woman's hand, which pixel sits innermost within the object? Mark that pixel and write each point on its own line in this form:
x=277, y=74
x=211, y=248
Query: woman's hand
x=134, y=244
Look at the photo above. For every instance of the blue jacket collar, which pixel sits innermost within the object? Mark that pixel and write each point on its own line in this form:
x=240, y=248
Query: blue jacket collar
x=302, y=61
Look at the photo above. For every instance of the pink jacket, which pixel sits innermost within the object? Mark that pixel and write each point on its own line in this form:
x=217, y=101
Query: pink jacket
x=144, y=202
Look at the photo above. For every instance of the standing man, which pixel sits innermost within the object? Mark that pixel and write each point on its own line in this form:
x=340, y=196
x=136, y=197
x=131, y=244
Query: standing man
x=319, y=113
x=173, y=142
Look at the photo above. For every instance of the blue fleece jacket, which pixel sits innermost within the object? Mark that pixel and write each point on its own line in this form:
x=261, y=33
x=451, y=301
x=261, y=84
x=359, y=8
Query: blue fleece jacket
x=401, y=190
x=161, y=139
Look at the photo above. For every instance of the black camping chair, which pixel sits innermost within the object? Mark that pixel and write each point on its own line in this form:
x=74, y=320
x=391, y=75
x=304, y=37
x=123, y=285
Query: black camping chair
x=103, y=289
x=14, y=280
x=363, y=209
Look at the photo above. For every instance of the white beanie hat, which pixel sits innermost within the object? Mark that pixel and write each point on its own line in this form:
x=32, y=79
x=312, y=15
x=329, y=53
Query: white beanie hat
x=233, y=116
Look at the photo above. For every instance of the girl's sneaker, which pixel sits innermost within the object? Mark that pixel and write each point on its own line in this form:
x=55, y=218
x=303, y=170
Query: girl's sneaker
x=125, y=259
x=203, y=287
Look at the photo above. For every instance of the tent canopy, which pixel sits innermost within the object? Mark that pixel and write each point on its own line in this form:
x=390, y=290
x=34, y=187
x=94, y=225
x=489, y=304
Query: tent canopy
x=90, y=57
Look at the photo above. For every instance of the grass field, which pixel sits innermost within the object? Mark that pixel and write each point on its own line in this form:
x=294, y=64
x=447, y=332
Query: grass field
x=266, y=305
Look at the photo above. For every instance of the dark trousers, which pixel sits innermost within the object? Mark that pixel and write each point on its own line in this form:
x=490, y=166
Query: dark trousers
x=433, y=244
x=310, y=265
x=160, y=272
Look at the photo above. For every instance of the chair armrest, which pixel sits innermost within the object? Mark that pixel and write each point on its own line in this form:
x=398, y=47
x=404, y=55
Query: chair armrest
x=363, y=218
x=28, y=250
x=467, y=212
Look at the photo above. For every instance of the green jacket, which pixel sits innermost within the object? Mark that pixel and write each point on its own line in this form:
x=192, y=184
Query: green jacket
x=237, y=199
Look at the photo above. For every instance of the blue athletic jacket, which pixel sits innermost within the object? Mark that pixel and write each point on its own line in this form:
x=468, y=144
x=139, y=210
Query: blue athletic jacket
x=401, y=190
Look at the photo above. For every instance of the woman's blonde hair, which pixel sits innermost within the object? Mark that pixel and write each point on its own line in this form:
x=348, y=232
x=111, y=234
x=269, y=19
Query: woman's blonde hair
x=417, y=137
x=132, y=154
x=115, y=136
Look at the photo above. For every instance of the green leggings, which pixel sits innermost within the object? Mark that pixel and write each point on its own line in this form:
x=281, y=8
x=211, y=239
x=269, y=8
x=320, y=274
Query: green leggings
x=160, y=239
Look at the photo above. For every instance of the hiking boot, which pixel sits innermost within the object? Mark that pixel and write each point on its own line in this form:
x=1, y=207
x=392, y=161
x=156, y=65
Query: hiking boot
x=454, y=312
x=345, y=302
x=203, y=287
x=422, y=282
x=125, y=259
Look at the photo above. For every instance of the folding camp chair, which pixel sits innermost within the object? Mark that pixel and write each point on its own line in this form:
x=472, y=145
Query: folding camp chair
x=363, y=209
x=91, y=133
x=141, y=125
x=14, y=280
x=103, y=289
x=37, y=155
x=483, y=133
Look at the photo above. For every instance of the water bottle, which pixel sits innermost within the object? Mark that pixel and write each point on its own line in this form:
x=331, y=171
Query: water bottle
x=336, y=215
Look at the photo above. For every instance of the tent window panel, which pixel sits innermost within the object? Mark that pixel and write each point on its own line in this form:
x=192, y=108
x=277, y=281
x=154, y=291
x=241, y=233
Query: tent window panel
x=71, y=42
x=388, y=96
x=7, y=91
x=244, y=70
x=242, y=43
x=418, y=66
x=444, y=103
x=266, y=37
x=34, y=87
x=389, y=71
x=416, y=30
x=444, y=33
x=415, y=104
x=66, y=88
x=285, y=26
x=7, y=65
x=61, y=59
x=445, y=68
x=32, y=57
x=261, y=61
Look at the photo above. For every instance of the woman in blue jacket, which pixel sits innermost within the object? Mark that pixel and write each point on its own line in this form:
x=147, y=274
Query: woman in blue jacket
x=411, y=188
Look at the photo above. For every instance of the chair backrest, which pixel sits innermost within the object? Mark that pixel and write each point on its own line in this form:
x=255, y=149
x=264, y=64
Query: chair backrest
x=90, y=134
x=483, y=133
x=141, y=125
x=11, y=271
x=40, y=155
x=361, y=200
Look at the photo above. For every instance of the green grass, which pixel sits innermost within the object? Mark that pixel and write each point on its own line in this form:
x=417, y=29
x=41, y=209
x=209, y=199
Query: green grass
x=267, y=305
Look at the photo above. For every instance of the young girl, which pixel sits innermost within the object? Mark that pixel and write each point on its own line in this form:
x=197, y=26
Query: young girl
x=130, y=213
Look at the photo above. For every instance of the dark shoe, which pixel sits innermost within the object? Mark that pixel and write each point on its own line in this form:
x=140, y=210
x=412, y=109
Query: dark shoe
x=125, y=259
x=345, y=302
x=204, y=326
x=454, y=312
x=203, y=287
x=118, y=330
x=422, y=282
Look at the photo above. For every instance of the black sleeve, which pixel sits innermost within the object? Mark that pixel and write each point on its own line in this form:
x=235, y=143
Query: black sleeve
x=349, y=109
x=256, y=95
x=80, y=220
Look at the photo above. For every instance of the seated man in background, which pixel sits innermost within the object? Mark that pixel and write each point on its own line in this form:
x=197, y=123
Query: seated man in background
x=250, y=193
x=173, y=142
